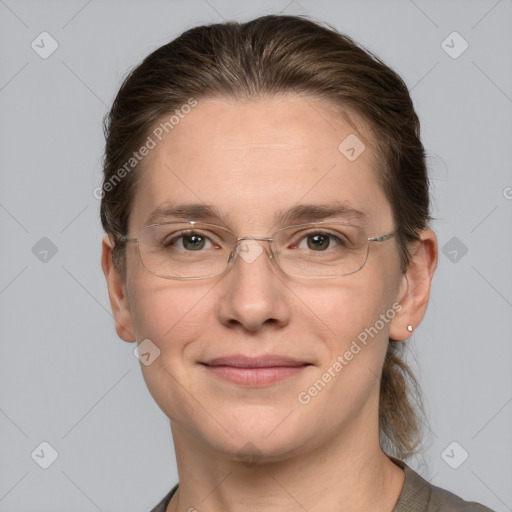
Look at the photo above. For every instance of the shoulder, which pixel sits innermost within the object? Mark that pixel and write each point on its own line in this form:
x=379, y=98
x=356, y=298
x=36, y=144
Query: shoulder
x=162, y=506
x=420, y=495
x=445, y=501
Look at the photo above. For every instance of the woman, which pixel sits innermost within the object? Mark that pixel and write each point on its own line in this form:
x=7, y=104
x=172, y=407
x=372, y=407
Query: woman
x=266, y=205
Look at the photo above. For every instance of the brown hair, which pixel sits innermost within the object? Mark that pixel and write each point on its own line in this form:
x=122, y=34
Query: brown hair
x=268, y=56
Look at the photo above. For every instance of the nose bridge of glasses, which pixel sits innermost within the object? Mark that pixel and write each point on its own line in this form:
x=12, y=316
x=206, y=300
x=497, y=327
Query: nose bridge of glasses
x=249, y=248
x=259, y=238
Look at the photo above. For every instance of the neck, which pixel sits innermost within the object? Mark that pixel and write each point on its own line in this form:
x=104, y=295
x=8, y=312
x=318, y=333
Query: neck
x=349, y=472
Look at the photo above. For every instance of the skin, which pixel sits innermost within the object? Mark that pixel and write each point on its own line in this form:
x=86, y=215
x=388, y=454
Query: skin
x=251, y=159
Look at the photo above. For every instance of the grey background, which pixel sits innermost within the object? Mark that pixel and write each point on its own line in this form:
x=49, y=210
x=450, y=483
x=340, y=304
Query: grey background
x=65, y=377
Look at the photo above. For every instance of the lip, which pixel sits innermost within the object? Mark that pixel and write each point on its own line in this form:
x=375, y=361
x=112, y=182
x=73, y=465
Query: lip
x=255, y=371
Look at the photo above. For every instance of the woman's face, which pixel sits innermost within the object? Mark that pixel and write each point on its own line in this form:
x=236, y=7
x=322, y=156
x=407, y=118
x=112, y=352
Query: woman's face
x=251, y=161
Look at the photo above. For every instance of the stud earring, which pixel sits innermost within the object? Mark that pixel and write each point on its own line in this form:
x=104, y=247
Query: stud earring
x=409, y=328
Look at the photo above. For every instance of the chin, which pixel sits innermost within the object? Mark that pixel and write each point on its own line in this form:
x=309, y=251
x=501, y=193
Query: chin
x=251, y=451
x=261, y=433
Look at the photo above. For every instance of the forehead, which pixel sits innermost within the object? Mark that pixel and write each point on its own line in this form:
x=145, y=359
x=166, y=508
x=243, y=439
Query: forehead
x=253, y=160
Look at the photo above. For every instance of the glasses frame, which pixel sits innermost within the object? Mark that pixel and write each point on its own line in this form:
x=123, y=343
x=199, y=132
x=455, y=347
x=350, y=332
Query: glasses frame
x=271, y=254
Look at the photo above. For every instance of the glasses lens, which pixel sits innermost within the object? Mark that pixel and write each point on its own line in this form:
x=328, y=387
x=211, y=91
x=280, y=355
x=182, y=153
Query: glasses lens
x=326, y=250
x=182, y=250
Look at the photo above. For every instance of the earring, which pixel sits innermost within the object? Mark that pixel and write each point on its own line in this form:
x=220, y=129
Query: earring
x=409, y=328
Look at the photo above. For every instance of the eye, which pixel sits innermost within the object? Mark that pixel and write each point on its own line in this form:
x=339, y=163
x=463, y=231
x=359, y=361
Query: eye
x=190, y=241
x=321, y=241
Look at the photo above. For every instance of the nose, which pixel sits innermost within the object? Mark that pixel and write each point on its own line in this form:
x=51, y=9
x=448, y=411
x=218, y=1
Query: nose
x=253, y=295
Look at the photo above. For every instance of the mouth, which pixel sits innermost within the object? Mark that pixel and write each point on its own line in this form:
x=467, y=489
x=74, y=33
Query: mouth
x=255, y=371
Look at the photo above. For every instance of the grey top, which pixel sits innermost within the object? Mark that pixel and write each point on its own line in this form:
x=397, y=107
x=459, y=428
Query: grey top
x=417, y=495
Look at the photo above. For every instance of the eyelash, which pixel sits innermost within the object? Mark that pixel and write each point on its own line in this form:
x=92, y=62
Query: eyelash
x=304, y=236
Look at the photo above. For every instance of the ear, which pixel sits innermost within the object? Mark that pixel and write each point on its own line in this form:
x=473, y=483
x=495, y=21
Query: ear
x=414, y=289
x=117, y=293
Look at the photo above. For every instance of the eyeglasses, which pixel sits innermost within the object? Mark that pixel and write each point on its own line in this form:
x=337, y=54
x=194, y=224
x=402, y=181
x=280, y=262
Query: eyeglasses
x=197, y=250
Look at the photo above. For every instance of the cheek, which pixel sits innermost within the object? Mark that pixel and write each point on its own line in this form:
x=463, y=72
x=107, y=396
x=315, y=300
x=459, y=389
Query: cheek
x=355, y=313
x=172, y=315
x=345, y=307
x=168, y=311
x=355, y=318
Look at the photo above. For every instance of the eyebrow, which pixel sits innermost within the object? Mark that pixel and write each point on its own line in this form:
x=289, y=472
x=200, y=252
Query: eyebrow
x=317, y=212
x=298, y=213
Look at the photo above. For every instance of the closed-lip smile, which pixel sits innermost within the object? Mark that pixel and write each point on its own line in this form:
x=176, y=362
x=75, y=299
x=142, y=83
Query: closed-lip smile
x=256, y=370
